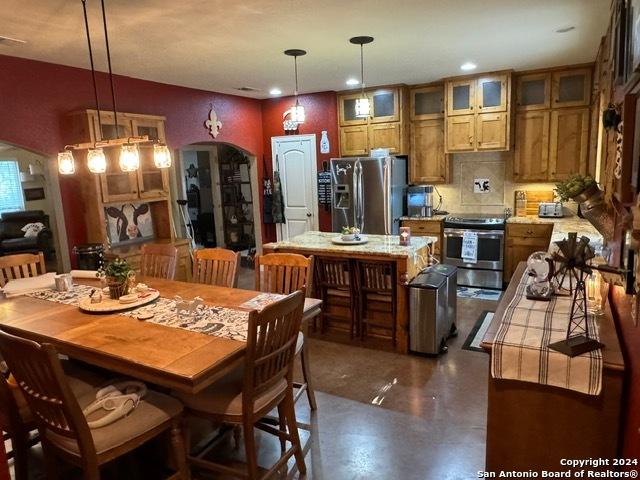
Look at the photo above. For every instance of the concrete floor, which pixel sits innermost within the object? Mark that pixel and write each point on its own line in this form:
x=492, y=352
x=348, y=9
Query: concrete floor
x=387, y=416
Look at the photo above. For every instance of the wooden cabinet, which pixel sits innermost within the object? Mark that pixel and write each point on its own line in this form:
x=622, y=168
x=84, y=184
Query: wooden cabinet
x=571, y=88
x=552, y=125
x=426, y=228
x=531, y=146
x=491, y=131
x=153, y=182
x=384, y=128
x=522, y=239
x=460, y=133
x=533, y=92
x=427, y=103
x=478, y=117
x=491, y=93
x=569, y=142
x=427, y=161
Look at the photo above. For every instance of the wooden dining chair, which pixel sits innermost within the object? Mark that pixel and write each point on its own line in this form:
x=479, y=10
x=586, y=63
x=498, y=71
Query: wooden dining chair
x=216, y=266
x=158, y=261
x=264, y=382
x=21, y=265
x=285, y=273
x=64, y=431
x=377, y=293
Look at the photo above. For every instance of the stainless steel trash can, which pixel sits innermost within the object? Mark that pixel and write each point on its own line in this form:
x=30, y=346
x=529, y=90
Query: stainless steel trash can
x=451, y=273
x=428, y=327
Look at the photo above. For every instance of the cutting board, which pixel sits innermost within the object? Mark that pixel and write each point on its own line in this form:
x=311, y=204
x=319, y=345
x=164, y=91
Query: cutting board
x=534, y=198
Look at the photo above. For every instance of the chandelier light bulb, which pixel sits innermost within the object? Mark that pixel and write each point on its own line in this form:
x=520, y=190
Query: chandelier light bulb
x=297, y=113
x=129, y=158
x=363, y=108
x=161, y=155
x=66, y=163
x=96, y=161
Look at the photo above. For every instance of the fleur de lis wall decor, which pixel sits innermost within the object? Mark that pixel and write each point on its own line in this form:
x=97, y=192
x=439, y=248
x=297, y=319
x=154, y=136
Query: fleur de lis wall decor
x=213, y=124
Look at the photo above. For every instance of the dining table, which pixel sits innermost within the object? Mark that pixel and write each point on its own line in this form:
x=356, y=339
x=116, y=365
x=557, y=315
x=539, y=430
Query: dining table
x=174, y=358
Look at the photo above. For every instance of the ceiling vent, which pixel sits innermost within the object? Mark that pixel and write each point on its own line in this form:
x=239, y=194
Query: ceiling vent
x=11, y=41
x=248, y=89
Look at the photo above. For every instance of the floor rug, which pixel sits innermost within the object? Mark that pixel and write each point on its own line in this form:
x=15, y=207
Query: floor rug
x=477, y=332
x=479, y=293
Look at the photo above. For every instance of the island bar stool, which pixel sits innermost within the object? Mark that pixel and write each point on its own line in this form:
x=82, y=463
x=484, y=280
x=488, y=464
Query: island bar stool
x=64, y=431
x=335, y=279
x=377, y=293
x=247, y=394
x=216, y=266
x=158, y=261
x=22, y=265
x=285, y=273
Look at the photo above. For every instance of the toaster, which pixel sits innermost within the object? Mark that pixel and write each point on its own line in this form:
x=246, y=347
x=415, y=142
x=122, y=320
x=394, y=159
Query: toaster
x=550, y=210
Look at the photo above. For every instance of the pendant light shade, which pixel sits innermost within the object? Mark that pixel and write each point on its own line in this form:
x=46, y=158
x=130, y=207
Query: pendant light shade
x=96, y=161
x=66, y=163
x=161, y=155
x=363, y=106
x=297, y=111
x=129, y=157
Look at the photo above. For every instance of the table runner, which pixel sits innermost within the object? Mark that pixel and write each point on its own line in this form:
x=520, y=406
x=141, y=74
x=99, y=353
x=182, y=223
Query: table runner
x=520, y=349
x=211, y=320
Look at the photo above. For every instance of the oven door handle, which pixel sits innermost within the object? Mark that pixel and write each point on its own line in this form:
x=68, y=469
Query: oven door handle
x=454, y=232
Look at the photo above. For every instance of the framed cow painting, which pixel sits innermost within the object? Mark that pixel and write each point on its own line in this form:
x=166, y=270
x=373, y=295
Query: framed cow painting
x=128, y=223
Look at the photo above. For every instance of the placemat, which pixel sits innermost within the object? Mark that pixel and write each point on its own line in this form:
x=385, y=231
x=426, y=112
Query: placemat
x=520, y=349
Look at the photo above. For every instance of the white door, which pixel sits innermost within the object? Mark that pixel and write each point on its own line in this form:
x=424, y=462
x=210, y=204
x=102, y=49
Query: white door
x=294, y=156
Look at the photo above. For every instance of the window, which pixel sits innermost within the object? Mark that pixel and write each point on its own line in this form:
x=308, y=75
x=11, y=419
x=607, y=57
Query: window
x=11, y=198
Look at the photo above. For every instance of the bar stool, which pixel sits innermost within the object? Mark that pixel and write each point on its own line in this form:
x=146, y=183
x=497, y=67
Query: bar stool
x=376, y=285
x=334, y=279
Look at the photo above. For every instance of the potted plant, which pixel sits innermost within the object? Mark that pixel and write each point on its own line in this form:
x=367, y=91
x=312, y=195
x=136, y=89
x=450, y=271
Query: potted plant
x=585, y=191
x=350, y=234
x=118, y=275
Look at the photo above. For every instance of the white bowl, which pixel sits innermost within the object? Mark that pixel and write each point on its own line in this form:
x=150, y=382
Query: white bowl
x=348, y=238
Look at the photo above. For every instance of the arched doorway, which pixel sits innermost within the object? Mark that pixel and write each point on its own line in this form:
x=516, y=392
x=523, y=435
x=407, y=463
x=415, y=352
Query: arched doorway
x=30, y=194
x=220, y=183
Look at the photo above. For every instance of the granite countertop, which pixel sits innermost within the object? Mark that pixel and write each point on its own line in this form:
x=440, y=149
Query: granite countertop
x=388, y=245
x=562, y=226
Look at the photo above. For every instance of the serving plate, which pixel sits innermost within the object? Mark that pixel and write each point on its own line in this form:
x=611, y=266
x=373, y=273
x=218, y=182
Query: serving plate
x=107, y=305
x=340, y=241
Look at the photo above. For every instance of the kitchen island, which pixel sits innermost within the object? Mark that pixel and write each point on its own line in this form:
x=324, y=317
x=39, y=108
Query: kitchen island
x=408, y=261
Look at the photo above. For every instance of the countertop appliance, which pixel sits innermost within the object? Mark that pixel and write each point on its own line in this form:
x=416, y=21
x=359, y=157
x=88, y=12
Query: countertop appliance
x=368, y=193
x=428, y=325
x=550, y=210
x=420, y=201
x=487, y=270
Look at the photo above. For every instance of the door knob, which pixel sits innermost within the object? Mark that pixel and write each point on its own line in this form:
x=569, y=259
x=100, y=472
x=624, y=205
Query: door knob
x=308, y=215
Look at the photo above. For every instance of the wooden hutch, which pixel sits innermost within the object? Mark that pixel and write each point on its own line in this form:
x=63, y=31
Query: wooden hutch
x=148, y=184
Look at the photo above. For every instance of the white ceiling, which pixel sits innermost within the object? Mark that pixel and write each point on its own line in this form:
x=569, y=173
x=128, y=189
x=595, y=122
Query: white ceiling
x=221, y=45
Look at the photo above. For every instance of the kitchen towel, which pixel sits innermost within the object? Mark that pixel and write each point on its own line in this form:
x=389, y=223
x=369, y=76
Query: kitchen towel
x=23, y=286
x=470, y=247
x=520, y=348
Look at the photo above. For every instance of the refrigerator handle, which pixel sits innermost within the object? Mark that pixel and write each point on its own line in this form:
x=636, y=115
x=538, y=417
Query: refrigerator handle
x=361, y=198
x=386, y=198
x=356, y=196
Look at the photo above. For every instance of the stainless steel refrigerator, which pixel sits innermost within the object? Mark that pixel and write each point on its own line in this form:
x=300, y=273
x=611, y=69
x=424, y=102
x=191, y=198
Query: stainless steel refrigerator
x=368, y=193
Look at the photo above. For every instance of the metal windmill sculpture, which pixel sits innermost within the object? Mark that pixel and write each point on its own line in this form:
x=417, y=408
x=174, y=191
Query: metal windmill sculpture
x=572, y=261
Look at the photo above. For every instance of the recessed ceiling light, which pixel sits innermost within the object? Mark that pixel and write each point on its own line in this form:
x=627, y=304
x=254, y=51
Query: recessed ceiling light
x=468, y=66
x=353, y=81
x=565, y=29
x=275, y=91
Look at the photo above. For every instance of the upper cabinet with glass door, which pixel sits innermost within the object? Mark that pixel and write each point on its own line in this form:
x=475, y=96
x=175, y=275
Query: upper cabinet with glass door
x=427, y=103
x=461, y=97
x=385, y=105
x=491, y=93
x=571, y=88
x=533, y=92
x=153, y=182
x=347, y=110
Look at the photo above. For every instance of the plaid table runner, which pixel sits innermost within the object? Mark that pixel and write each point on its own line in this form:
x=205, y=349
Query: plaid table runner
x=210, y=320
x=520, y=350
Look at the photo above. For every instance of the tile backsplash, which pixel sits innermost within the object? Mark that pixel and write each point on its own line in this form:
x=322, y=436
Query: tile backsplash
x=496, y=167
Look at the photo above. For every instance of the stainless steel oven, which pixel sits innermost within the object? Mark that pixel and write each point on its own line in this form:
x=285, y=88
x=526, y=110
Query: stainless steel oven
x=487, y=271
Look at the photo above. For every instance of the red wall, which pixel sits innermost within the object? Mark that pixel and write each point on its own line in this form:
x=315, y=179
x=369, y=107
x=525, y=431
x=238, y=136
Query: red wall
x=321, y=114
x=36, y=96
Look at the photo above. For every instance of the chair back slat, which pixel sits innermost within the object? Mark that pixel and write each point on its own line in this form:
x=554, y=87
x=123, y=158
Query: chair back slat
x=158, y=261
x=271, y=341
x=216, y=266
x=284, y=273
x=41, y=379
x=23, y=265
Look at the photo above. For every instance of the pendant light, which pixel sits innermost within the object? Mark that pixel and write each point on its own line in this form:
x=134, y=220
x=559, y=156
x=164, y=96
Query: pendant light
x=363, y=107
x=297, y=111
x=66, y=163
x=161, y=155
x=129, y=157
x=96, y=161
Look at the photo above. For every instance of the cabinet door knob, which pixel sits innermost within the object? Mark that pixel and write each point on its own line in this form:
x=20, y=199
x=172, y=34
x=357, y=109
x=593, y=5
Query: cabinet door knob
x=471, y=107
